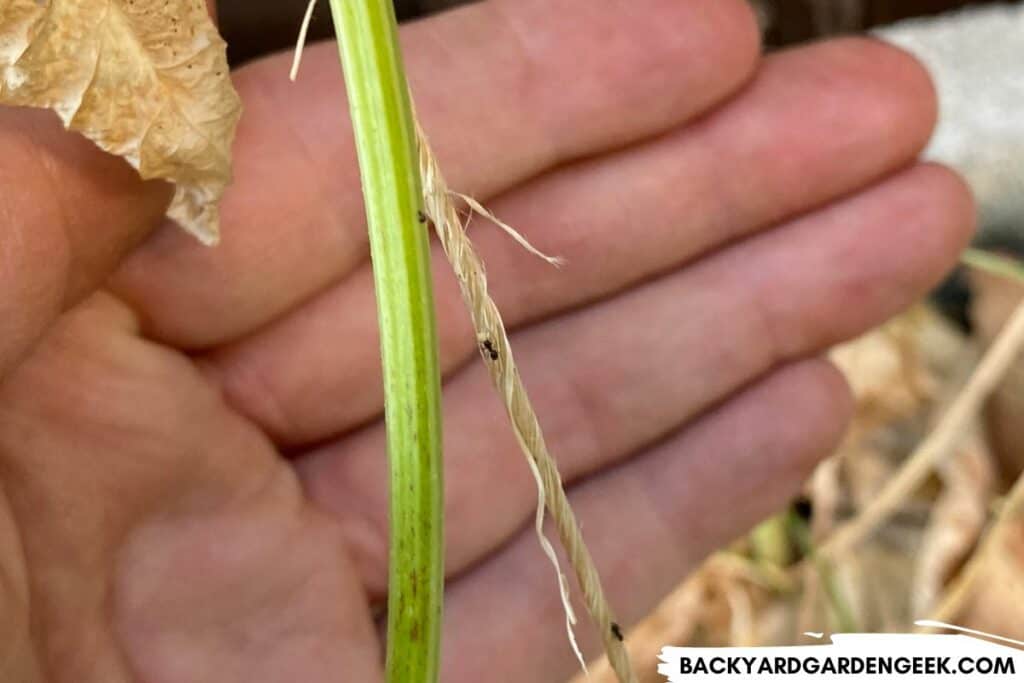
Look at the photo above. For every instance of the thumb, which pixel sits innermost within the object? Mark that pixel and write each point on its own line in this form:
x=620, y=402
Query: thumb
x=68, y=214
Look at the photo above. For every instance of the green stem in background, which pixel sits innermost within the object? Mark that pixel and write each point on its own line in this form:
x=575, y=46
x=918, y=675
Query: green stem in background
x=997, y=264
x=770, y=542
x=385, y=140
x=840, y=606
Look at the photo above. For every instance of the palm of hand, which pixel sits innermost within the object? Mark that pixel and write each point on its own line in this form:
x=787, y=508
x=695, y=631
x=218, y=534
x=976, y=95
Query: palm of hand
x=152, y=528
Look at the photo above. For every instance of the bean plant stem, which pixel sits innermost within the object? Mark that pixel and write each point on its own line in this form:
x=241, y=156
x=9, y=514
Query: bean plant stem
x=385, y=141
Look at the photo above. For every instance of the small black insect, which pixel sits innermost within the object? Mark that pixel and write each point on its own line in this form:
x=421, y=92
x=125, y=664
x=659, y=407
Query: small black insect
x=489, y=349
x=421, y=217
x=617, y=632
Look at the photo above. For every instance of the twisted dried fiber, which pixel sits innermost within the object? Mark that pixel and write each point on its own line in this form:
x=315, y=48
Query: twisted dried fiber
x=491, y=334
x=966, y=584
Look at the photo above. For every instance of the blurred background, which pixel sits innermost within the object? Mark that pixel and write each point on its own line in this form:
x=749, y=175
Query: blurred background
x=920, y=513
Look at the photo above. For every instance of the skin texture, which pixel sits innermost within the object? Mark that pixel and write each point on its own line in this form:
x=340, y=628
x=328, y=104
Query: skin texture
x=191, y=454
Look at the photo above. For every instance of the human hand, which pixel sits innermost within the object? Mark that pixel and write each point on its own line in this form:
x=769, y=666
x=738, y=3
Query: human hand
x=191, y=449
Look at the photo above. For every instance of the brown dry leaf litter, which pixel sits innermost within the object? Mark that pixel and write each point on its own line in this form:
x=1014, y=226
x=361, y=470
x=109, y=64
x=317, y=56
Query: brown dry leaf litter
x=146, y=80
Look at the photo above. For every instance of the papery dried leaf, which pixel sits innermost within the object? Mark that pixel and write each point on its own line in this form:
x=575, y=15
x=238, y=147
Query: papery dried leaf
x=957, y=521
x=993, y=300
x=146, y=80
x=998, y=594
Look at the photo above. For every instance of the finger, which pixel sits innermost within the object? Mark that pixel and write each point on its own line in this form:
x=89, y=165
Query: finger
x=648, y=524
x=505, y=90
x=786, y=145
x=614, y=378
x=68, y=213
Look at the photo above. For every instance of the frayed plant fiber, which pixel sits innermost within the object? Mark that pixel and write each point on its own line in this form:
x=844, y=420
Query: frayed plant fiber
x=469, y=270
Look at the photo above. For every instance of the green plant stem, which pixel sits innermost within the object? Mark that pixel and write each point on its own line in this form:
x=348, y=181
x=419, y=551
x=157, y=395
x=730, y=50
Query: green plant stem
x=837, y=601
x=399, y=245
x=770, y=541
x=997, y=264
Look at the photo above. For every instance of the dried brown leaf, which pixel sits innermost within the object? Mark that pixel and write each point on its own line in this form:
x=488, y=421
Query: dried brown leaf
x=994, y=603
x=957, y=521
x=146, y=80
x=994, y=299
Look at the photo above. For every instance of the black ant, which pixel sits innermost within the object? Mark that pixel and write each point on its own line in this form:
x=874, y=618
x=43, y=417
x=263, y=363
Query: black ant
x=489, y=349
x=421, y=217
x=617, y=632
